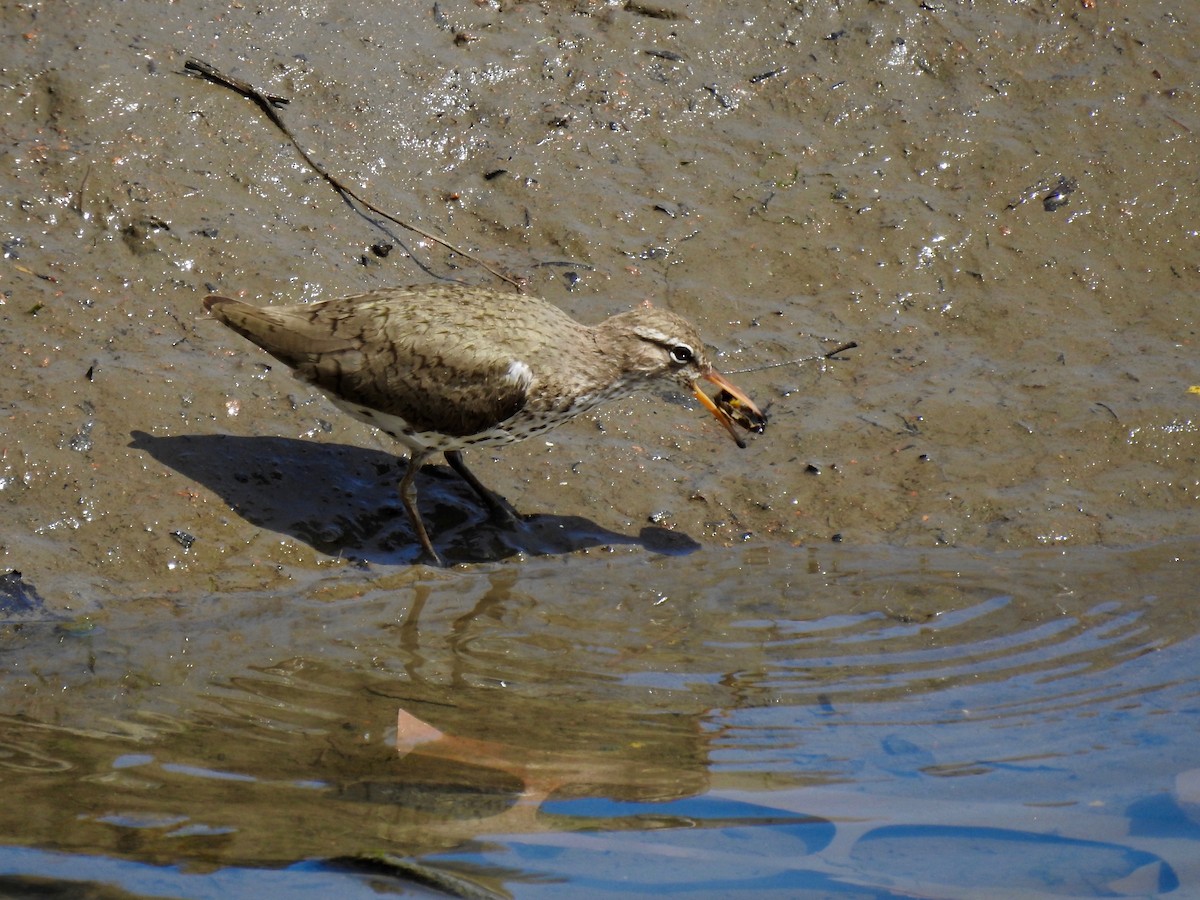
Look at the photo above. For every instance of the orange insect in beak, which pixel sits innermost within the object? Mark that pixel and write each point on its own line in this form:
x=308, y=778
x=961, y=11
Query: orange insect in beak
x=731, y=407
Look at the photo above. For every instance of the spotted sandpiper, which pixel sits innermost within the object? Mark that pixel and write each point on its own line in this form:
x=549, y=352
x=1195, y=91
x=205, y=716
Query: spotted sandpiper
x=446, y=367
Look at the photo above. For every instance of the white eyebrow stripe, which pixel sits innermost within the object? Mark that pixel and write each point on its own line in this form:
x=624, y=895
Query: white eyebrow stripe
x=653, y=334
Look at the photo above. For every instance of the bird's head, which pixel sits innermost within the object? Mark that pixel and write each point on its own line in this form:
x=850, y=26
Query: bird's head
x=668, y=347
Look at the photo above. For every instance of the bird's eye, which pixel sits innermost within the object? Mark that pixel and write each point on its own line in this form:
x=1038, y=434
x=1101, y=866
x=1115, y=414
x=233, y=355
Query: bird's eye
x=682, y=353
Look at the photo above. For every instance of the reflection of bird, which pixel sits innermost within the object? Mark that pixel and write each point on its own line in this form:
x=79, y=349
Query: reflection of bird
x=445, y=367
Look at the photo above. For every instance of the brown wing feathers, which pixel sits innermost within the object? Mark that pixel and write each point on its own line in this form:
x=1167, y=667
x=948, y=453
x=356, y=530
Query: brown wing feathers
x=431, y=390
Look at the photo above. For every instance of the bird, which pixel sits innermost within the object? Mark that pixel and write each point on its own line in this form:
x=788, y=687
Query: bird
x=446, y=367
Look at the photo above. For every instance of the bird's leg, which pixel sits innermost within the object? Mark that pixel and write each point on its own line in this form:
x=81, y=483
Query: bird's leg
x=408, y=495
x=494, y=502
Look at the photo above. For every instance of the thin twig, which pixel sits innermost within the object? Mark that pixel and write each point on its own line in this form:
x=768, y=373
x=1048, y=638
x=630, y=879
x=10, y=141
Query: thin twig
x=832, y=354
x=82, y=187
x=270, y=104
x=849, y=346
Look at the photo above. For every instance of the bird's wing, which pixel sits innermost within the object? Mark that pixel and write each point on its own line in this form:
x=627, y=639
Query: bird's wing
x=436, y=377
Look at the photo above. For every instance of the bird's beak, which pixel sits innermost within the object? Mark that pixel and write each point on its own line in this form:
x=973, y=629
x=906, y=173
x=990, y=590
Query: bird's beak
x=732, y=407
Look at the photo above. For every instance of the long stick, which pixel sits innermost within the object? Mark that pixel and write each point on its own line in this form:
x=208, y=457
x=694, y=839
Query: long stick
x=270, y=104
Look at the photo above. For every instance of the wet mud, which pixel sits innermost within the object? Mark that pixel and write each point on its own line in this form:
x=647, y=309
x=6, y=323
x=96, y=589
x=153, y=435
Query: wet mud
x=997, y=204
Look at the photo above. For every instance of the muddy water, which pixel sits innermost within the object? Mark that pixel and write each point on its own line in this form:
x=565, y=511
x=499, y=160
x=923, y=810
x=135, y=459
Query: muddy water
x=788, y=720
x=941, y=613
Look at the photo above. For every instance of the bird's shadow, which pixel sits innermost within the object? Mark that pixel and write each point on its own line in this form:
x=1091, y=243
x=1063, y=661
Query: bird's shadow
x=343, y=501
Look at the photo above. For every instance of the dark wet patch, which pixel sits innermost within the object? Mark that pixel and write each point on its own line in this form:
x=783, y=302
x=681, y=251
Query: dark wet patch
x=20, y=601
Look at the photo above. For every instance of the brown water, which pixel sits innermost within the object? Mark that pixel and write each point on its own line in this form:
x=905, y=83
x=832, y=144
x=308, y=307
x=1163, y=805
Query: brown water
x=941, y=613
